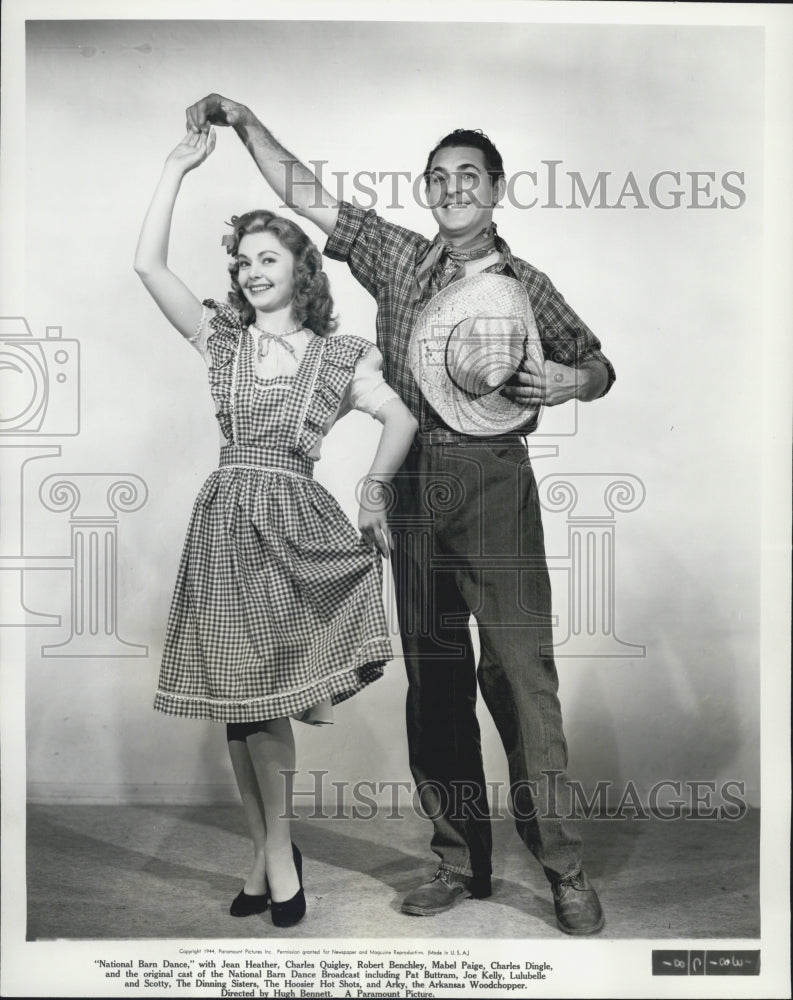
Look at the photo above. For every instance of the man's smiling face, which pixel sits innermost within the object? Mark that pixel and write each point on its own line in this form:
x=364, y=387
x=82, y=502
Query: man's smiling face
x=461, y=193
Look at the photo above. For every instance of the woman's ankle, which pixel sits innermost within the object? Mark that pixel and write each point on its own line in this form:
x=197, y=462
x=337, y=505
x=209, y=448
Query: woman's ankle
x=281, y=872
x=256, y=882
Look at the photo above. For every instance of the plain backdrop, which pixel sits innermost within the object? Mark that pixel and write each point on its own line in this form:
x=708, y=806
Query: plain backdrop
x=674, y=295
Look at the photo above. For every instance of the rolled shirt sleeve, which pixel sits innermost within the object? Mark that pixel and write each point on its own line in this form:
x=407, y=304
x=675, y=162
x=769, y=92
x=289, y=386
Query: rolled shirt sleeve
x=566, y=337
x=376, y=251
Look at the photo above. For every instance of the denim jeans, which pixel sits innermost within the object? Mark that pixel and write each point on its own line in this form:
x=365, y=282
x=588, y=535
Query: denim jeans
x=469, y=541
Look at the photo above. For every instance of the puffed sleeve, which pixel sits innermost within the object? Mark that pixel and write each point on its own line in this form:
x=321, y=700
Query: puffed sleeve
x=217, y=333
x=201, y=336
x=368, y=390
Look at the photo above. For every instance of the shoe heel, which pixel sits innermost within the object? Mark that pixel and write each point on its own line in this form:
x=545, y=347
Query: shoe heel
x=289, y=913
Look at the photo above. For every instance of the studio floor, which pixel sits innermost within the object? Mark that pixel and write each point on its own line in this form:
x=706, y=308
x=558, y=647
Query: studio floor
x=120, y=872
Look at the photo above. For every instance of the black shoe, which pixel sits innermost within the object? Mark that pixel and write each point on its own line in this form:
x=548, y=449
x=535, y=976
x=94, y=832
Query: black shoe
x=245, y=905
x=443, y=890
x=292, y=911
x=577, y=905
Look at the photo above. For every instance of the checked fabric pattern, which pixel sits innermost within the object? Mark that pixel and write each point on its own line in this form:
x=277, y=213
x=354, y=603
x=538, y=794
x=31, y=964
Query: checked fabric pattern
x=384, y=257
x=278, y=601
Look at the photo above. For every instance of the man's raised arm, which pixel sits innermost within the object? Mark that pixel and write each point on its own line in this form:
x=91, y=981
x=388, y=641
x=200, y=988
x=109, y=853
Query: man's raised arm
x=296, y=185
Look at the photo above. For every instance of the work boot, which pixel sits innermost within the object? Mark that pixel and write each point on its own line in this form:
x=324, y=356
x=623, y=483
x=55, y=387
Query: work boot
x=443, y=890
x=577, y=905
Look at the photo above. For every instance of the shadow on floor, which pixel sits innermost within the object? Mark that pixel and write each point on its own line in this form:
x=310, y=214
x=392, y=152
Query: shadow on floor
x=171, y=871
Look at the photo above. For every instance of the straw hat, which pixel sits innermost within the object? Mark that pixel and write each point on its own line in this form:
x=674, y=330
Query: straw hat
x=469, y=340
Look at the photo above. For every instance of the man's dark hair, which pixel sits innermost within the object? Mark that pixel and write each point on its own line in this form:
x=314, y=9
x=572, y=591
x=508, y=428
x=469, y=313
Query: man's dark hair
x=478, y=140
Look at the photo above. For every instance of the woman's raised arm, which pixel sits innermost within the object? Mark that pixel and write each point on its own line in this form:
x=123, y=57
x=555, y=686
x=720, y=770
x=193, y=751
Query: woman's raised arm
x=177, y=302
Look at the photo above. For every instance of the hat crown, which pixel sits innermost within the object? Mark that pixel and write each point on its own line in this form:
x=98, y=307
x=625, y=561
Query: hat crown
x=470, y=338
x=484, y=352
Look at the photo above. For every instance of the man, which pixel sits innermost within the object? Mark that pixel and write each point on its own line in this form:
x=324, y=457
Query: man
x=466, y=509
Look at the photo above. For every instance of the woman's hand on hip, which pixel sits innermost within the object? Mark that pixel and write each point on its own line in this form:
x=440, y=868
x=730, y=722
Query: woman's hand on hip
x=375, y=500
x=373, y=526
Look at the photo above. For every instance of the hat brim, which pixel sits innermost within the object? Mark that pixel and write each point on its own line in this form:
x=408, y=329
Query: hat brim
x=482, y=295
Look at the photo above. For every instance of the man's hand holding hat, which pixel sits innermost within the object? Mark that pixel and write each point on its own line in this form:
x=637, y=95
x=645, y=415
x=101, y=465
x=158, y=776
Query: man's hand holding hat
x=560, y=384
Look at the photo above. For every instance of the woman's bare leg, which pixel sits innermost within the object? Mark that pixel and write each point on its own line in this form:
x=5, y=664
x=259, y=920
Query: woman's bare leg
x=253, y=808
x=272, y=751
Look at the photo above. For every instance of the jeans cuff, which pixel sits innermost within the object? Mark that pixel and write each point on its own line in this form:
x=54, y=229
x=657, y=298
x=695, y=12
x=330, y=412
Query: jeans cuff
x=458, y=869
x=553, y=876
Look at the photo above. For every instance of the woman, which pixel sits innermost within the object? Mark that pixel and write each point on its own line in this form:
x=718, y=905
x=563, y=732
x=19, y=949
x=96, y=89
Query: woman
x=277, y=610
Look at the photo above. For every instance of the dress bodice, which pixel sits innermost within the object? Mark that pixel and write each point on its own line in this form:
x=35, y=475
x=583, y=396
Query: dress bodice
x=291, y=411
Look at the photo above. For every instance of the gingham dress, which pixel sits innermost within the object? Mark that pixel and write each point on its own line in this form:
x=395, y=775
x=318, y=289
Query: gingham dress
x=278, y=601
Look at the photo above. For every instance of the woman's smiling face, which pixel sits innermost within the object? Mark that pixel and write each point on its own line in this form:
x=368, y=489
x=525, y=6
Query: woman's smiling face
x=266, y=271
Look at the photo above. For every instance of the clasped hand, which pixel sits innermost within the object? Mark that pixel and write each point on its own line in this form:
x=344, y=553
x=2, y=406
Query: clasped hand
x=213, y=110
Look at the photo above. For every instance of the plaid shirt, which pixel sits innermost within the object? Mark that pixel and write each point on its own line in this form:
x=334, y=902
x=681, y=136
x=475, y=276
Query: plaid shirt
x=383, y=257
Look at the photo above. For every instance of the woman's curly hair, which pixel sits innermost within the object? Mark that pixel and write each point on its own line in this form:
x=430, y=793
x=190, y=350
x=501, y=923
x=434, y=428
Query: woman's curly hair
x=312, y=304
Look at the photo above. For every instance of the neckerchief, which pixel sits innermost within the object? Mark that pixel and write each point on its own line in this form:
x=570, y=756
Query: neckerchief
x=439, y=252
